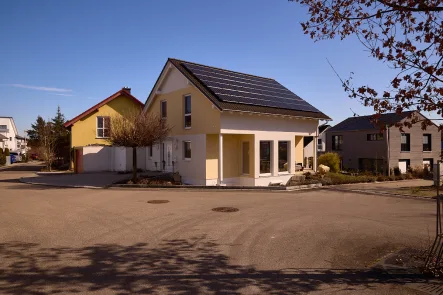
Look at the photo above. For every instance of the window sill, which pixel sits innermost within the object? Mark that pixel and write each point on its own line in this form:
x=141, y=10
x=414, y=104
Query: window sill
x=405, y=151
x=187, y=159
x=102, y=138
x=187, y=127
x=264, y=175
x=427, y=151
x=283, y=173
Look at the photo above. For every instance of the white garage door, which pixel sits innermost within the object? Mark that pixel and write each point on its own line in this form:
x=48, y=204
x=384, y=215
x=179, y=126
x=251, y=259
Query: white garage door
x=403, y=166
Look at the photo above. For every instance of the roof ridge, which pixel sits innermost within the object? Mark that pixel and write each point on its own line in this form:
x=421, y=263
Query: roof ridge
x=235, y=72
x=392, y=113
x=102, y=103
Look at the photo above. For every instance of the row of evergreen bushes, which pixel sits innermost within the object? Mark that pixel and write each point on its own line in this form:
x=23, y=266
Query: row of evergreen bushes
x=3, y=155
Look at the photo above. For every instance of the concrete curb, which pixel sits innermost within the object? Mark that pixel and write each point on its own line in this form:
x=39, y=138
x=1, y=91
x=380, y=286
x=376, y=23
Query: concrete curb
x=60, y=186
x=203, y=187
x=54, y=173
x=381, y=193
x=199, y=187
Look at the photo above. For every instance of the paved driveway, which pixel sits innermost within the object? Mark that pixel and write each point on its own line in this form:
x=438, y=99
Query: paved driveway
x=109, y=241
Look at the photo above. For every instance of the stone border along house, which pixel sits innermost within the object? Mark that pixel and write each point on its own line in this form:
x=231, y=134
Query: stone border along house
x=229, y=128
x=363, y=146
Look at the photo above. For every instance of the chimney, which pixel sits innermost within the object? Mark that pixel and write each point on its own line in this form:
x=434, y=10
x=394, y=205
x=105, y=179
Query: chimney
x=127, y=89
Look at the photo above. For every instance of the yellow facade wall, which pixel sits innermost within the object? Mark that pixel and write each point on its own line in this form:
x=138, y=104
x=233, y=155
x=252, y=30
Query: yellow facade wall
x=232, y=155
x=299, y=149
x=211, y=156
x=205, y=117
x=83, y=132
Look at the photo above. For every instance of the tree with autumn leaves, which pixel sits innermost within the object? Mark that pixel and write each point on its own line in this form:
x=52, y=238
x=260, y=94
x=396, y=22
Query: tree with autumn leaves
x=406, y=35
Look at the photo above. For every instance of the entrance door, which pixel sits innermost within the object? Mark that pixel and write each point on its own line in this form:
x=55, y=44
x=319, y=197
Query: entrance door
x=166, y=156
x=79, y=160
x=245, y=157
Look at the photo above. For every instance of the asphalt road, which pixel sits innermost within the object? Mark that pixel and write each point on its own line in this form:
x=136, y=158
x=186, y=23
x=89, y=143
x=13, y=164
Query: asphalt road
x=106, y=241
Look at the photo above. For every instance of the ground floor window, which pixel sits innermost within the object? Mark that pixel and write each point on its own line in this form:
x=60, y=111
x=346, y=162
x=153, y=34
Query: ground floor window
x=403, y=165
x=283, y=157
x=429, y=163
x=372, y=165
x=265, y=157
x=187, y=150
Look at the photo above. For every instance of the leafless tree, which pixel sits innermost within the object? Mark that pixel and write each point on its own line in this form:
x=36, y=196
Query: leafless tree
x=47, y=143
x=137, y=129
x=406, y=35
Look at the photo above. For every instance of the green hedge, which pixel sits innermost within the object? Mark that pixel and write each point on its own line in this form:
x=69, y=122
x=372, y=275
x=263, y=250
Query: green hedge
x=332, y=160
x=7, y=152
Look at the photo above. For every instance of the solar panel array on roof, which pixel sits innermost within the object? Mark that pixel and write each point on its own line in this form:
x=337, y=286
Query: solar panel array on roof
x=247, y=89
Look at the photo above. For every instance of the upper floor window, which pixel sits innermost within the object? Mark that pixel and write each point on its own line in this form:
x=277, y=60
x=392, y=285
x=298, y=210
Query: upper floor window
x=150, y=151
x=164, y=109
x=103, y=127
x=4, y=127
x=187, y=111
x=427, y=143
x=337, y=142
x=319, y=141
x=375, y=137
x=405, y=142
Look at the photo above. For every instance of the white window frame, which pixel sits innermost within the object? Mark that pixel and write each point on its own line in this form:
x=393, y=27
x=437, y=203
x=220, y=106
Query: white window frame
x=150, y=153
x=184, y=111
x=103, y=128
x=288, y=156
x=271, y=158
x=161, y=109
x=184, y=150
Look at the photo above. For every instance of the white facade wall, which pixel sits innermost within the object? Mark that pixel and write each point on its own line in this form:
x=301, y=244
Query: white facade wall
x=118, y=159
x=97, y=158
x=106, y=158
x=192, y=171
x=10, y=133
x=268, y=128
x=246, y=123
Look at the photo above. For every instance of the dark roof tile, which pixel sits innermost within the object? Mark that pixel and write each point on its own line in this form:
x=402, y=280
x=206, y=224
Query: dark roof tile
x=367, y=122
x=234, y=91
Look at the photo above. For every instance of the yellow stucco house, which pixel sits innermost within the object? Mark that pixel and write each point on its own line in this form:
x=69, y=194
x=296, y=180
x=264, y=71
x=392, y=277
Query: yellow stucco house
x=229, y=128
x=92, y=126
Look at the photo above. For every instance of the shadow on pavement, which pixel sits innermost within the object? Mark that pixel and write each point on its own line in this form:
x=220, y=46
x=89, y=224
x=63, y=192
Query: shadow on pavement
x=24, y=186
x=18, y=167
x=176, y=266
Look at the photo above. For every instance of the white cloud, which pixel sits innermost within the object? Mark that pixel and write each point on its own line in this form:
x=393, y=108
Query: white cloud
x=41, y=88
x=63, y=94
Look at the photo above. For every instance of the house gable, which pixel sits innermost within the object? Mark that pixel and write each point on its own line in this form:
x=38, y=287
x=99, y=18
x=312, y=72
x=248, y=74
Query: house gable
x=84, y=129
x=172, y=86
x=174, y=81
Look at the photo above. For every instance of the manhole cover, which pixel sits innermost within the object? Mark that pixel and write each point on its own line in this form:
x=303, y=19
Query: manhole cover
x=225, y=209
x=158, y=201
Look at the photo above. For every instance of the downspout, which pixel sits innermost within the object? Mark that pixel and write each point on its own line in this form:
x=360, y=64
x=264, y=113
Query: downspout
x=388, y=150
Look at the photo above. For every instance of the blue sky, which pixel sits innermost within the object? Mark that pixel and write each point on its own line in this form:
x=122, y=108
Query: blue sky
x=76, y=53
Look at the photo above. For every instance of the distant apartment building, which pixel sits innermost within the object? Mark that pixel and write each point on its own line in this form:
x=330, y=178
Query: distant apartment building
x=364, y=145
x=9, y=137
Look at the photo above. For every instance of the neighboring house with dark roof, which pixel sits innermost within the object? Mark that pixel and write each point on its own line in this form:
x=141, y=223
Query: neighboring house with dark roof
x=310, y=145
x=363, y=144
x=228, y=128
